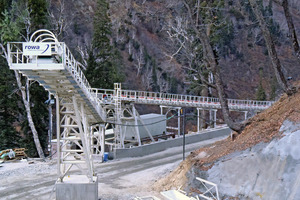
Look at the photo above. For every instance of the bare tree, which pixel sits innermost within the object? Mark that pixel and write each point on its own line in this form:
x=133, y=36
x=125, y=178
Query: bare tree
x=140, y=60
x=201, y=29
x=271, y=48
x=291, y=26
x=25, y=18
x=213, y=65
x=26, y=101
x=83, y=51
x=59, y=19
x=24, y=11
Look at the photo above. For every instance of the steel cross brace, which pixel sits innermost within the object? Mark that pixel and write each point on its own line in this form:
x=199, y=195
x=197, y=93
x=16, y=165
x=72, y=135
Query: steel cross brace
x=73, y=138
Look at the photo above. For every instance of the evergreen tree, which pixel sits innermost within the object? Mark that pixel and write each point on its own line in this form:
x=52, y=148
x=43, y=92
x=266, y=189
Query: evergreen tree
x=102, y=31
x=274, y=87
x=173, y=85
x=11, y=25
x=9, y=28
x=4, y=5
x=38, y=13
x=38, y=95
x=260, y=93
x=103, y=70
x=9, y=112
x=155, y=86
x=9, y=136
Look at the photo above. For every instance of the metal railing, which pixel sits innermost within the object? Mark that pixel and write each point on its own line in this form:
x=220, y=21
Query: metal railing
x=60, y=55
x=156, y=98
x=78, y=75
x=211, y=190
x=106, y=96
x=16, y=56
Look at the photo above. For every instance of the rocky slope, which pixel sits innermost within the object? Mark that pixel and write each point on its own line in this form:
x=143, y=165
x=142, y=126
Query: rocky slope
x=262, y=162
x=265, y=171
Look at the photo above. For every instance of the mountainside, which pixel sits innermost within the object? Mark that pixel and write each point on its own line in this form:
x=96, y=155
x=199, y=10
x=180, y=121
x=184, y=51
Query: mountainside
x=140, y=32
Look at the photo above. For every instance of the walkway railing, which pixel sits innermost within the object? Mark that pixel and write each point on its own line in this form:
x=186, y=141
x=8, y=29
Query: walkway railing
x=61, y=58
x=104, y=96
x=78, y=75
x=168, y=99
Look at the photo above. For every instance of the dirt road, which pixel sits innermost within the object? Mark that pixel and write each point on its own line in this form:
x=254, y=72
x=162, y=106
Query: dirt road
x=118, y=179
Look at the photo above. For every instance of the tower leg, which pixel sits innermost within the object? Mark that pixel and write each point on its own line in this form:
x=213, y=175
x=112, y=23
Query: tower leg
x=246, y=113
x=178, y=121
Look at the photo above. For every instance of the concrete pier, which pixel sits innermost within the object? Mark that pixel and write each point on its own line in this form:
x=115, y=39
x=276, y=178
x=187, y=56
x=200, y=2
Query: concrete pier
x=77, y=187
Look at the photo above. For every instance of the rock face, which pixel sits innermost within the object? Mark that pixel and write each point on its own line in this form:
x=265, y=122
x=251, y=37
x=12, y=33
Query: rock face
x=265, y=171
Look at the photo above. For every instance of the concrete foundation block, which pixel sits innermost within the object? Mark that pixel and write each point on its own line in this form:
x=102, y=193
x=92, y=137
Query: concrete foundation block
x=77, y=187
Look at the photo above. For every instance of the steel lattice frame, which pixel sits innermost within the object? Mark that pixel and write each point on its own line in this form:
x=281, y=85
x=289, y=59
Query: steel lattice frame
x=74, y=147
x=77, y=106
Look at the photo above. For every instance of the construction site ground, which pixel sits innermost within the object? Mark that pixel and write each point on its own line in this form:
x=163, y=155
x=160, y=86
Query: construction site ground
x=269, y=128
x=118, y=179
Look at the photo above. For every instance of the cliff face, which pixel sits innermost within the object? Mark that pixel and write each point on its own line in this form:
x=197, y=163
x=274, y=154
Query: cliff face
x=140, y=33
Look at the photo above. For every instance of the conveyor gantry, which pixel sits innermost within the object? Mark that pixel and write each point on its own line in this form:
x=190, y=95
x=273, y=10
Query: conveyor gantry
x=178, y=100
x=51, y=63
x=80, y=107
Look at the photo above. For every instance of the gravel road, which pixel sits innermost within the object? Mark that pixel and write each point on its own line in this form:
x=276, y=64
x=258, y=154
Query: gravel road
x=118, y=179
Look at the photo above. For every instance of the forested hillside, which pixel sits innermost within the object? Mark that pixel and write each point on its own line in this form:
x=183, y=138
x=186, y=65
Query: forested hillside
x=150, y=35
x=155, y=45
x=152, y=53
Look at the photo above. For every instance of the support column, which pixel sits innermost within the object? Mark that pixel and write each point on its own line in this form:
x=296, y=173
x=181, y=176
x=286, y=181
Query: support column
x=200, y=119
x=215, y=118
x=119, y=142
x=246, y=113
x=136, y=125
x=81, y=123
x=102, y=137
x=170, y=108
x=58, y=138
x=210, y=118
x=179, y=121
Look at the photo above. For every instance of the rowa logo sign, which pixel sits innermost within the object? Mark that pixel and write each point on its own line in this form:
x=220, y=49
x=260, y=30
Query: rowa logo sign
x=36, y=48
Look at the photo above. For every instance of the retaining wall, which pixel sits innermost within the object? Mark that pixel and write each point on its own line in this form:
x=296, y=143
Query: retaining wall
x=165, y=144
